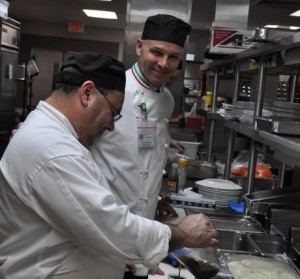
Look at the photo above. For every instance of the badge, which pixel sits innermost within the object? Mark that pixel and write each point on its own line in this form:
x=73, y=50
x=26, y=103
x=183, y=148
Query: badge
x=147, y=133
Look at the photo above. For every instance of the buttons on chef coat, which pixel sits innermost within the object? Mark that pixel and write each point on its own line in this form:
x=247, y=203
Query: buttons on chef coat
x=144, y=173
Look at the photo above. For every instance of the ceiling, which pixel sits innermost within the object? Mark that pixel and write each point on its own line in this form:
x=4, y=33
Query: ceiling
x=261, y=12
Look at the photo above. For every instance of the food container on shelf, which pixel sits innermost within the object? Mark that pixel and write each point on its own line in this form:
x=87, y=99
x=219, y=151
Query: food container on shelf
x=191, y=149
x=201, y=170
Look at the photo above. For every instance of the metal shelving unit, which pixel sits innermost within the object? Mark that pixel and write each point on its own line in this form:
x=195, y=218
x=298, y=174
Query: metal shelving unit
x=281, y=56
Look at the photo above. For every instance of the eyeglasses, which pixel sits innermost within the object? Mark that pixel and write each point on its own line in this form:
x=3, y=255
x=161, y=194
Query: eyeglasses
x=116, y=115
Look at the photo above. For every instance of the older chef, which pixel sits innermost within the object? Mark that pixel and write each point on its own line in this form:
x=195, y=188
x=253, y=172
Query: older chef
x=58, y=217
x=134, y=156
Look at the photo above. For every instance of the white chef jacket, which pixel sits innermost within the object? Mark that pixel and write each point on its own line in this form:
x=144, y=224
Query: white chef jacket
x=58, y=217
x=134, y=174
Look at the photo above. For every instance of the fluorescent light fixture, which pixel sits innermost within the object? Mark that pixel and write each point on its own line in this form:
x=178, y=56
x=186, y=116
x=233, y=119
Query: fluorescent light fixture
x=271, y=26
x=105, y=0
x=294, y=27
x=297, y=13
x=100, y=14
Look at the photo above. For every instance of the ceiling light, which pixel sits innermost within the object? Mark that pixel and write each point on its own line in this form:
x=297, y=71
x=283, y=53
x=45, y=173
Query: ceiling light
x=271, y=26
x=295, y=13
x=100, y=14
x=294, y=27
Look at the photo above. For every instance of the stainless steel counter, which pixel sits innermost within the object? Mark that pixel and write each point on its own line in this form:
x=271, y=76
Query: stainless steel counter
x=239, y=234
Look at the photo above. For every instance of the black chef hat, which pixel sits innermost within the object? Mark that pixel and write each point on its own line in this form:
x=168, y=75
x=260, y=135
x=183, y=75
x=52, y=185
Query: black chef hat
x=166, y=28
x=104, y=71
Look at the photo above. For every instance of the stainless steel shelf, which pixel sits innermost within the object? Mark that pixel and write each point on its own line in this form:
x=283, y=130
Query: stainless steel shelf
x=248, y=131
x=281, y=56
x=211, y=115
x=286, y=146
x=288, y=49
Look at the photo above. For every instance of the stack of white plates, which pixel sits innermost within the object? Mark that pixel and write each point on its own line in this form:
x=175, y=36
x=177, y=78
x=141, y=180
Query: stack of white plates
x=220, y=190
x=243, y=111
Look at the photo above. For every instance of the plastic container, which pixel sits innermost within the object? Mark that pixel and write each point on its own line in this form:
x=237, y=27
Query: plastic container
x=194, y=122
x=182, y=173
x=191, y=149
x=172, y=182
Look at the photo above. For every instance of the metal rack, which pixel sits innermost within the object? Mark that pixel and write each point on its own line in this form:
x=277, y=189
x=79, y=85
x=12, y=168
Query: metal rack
x=280, y=56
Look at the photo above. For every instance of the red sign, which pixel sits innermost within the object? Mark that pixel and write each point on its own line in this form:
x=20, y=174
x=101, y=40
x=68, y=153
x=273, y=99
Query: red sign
x=220, y=35
x=76, y=27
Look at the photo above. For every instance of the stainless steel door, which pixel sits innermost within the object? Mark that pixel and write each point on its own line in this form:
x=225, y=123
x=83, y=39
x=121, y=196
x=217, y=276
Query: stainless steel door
x=8, y=62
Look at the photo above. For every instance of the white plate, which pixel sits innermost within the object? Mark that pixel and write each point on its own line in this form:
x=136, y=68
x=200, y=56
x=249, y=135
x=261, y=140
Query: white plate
x=218, y=191
x=219, y=184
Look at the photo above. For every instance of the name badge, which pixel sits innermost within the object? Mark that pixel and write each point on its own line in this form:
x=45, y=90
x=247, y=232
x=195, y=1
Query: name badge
x=147, y=133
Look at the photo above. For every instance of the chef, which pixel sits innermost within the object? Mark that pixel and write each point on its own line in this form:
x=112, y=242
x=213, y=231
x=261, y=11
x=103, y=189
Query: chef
x=134, y=156
x=58, y=217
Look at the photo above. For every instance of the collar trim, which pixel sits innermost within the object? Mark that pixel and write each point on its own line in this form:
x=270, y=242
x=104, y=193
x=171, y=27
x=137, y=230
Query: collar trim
x=138, y=76
x=143, y=81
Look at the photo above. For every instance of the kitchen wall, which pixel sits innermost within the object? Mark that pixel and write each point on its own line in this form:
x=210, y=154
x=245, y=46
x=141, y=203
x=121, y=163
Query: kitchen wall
x=60, y=31
x=56, y=37
x=53, y=38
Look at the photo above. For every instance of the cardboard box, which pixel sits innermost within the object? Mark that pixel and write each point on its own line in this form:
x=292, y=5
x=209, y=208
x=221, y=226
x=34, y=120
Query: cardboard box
x=178, y=200
x=229, y=41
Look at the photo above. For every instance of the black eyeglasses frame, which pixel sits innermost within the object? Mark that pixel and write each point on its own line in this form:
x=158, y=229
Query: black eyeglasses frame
x=116, y=115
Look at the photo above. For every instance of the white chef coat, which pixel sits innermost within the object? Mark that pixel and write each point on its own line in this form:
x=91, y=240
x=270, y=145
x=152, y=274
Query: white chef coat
x=58, y=217
x=135, y=175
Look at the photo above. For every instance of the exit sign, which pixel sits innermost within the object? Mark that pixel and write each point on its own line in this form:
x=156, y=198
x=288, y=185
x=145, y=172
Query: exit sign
x=76, y=27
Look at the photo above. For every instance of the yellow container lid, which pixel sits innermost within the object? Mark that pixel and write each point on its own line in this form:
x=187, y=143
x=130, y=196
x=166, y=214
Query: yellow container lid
x=183, y=162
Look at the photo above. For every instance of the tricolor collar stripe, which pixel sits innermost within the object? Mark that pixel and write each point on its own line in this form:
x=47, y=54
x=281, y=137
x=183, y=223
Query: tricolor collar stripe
x=138, y=76
x=137, y=79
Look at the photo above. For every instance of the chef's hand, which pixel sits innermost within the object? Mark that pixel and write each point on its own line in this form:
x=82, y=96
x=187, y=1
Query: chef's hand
x=131, y=267
x=156, y=271
x=164, y=209
x=177, y=144
x=193, y=231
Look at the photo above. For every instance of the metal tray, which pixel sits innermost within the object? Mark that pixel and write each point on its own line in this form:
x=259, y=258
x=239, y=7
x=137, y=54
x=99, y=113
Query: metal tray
x=282, y=259
x=243, y=224
x=269, y=244
x=278, y=126
x=201, y=170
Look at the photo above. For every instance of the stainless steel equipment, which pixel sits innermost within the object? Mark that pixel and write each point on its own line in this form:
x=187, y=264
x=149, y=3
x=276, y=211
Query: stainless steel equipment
x=259, y=203
x=238, y=223
x=269, y=34
x=235, y=241
x=232, y=14
x=282, y=220
x=201, y=170
x=9, y=50
x=279, y=125
x=269, y=244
